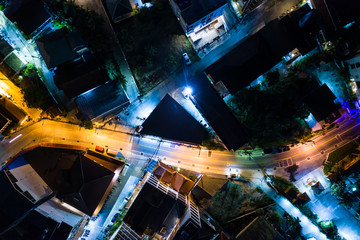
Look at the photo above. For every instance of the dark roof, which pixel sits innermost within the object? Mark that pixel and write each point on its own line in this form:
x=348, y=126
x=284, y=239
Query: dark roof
x=13, y=205
x=191, y=231
x=336, y=14
x=14, y=62
x=75, y=178
x=171, y=121
x=60, y=47
x=10, y=110
x=321, y=102
x=102, y=101
x=34, y=226
x=80, y=76
x=153, y=209
x=199, y=9
x=258, y=53
x=28, y=14
x=3, y=122
x=5, y=48
x=217, y=113
x=118, y=8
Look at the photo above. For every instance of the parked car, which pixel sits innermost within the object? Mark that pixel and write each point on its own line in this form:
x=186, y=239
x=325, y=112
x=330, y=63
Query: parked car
x=186, y=58
x=99, y=149
x=126, y=168
x=114, y=217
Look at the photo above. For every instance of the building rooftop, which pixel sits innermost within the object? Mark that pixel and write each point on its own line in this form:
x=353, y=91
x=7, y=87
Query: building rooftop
x=194, y=10
x=170, y=120
x=13, y=205
x=103, y=101
x=153, y=211
x=11, y=111
x=217, y=114
x=4, y=122
x=60, y=46
x=28, y=14
x=172, y=178
x=259, y=53
x=118, y=9
x=77, y=179
x=321, y=102
x=80, y=76
x=37, y=226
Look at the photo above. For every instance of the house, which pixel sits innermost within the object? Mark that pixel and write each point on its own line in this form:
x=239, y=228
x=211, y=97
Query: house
x=217, y=114
x=4, y=123
x=354, y=67
x=78, y=179
x=60, y=47
x=202, y=20
x=161, y=207
x=80, y=76
x=321, y=103
x=11, y=111
x=337, y=14
x=20, y=217
x=102, y=102
x=31, y=16
x=118, y=10
x=261, y=51
x=171, y=121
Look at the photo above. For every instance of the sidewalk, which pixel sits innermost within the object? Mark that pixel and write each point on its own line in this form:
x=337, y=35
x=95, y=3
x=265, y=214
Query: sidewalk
x=308, y=228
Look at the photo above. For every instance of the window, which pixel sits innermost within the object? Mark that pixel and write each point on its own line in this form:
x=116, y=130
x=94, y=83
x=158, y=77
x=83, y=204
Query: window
x=358, y=64
x=352, y=66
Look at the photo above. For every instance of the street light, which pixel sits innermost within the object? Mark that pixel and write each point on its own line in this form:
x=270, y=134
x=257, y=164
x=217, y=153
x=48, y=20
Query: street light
x=187, y=92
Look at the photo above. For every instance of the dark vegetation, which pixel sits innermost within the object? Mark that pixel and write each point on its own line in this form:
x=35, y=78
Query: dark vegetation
x=233, y=200
x=90, y=26
x=35, y=92
x=153, y=42
x=273, y=114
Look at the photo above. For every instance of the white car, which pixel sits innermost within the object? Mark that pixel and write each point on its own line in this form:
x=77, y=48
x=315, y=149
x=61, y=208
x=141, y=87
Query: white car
x=126, y=168
x=186, y=58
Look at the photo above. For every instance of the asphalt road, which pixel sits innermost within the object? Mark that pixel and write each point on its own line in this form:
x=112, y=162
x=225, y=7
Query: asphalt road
x=136, y=149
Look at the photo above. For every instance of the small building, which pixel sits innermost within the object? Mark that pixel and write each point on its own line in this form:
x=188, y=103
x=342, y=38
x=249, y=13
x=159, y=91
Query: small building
x=61, y=46
x=217, y=114
x=161, y=207
x=171, y=121
x=31, y=16
x=102, y=102
x=261, y=51
x=354, y=68
x=337, y=14
x=202, y=20
x=4, y=123
x=321, y=103
x=78, y=179
x=11, y=111
x=118, y=10
x=80, y=76
x=20, y=217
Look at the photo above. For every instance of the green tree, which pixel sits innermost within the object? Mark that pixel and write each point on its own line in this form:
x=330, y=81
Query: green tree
x=338, y=189
x=87, y=125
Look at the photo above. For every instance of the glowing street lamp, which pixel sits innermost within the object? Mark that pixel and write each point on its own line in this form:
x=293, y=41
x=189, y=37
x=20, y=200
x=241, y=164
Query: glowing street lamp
x=187, y=92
